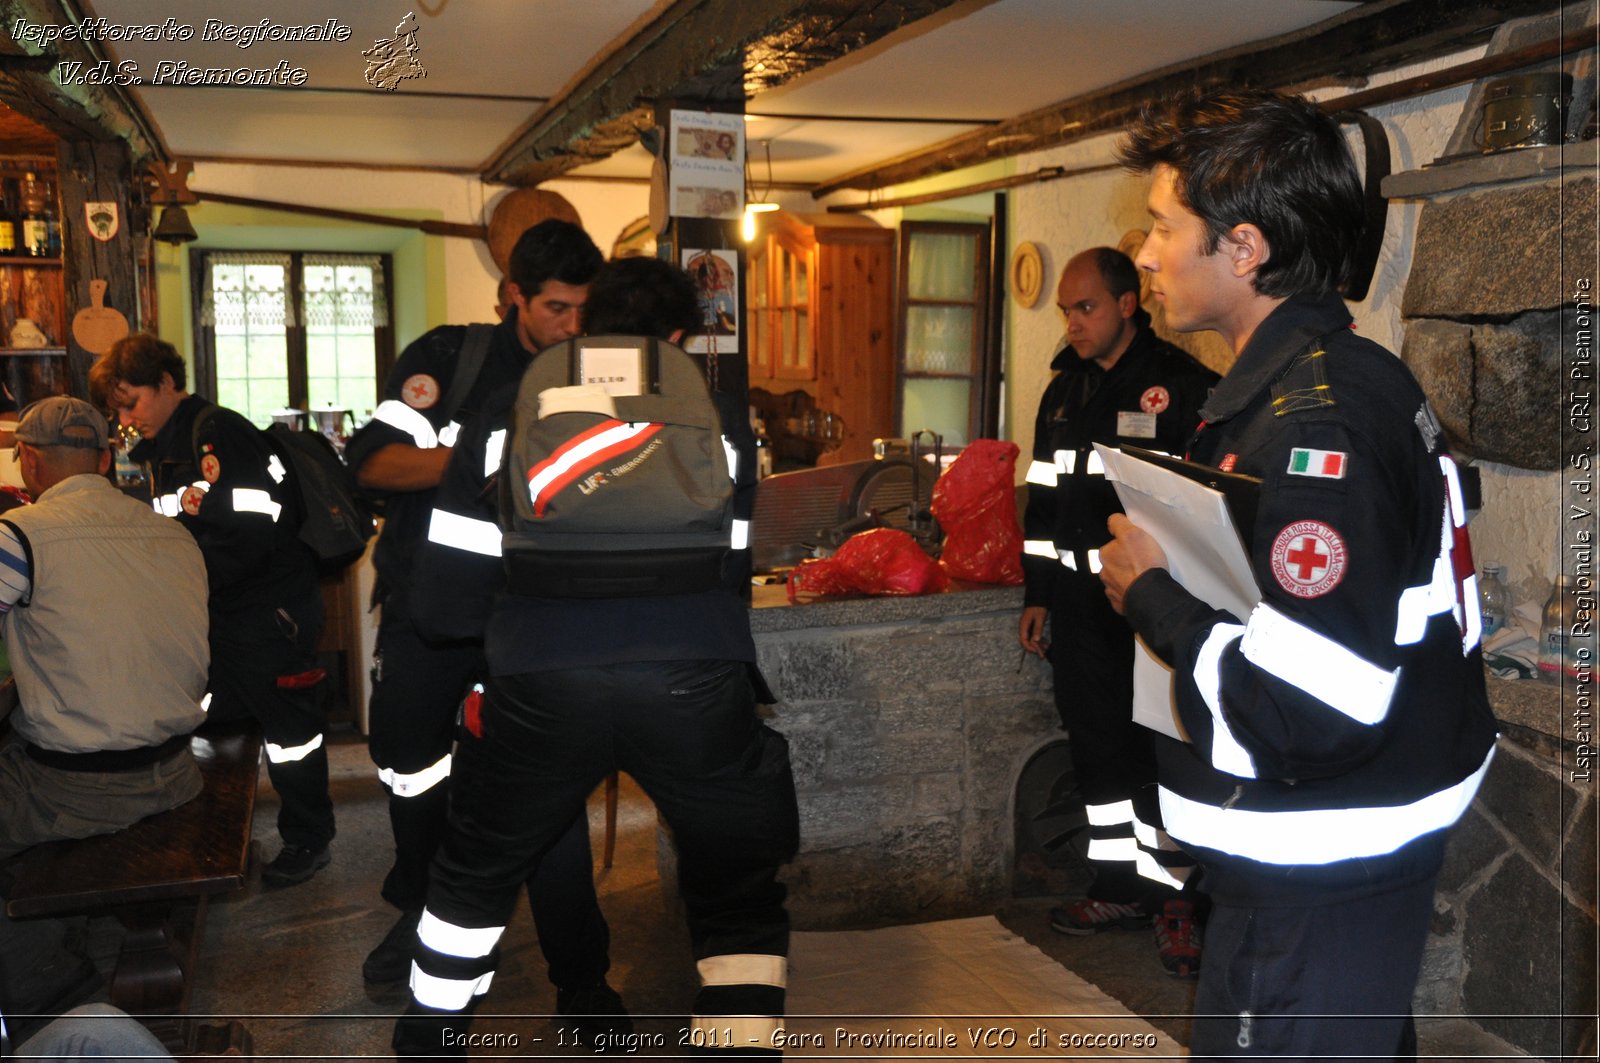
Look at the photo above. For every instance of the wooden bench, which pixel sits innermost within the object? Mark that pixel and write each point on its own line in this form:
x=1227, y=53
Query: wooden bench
x=156, y=878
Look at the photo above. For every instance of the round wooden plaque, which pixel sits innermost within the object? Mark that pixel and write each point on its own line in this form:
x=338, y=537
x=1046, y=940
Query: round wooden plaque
x=517, y=212
x=1027, y=275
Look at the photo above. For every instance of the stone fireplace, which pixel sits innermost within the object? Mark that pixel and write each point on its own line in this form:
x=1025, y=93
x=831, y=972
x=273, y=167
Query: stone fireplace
x=1498, y=309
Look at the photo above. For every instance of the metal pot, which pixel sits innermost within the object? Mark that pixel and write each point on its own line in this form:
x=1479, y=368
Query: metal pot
x=290, y=416
x=335, y=422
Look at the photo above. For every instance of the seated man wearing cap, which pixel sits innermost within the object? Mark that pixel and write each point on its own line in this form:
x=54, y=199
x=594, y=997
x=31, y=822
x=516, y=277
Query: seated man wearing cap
x=103, y=611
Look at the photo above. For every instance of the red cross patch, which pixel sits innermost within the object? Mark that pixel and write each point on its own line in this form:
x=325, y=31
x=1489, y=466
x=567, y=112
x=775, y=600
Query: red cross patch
x=210, y=468
x=1155, y=399
x=192, y=497
x=1308, y=559
x=420, y=392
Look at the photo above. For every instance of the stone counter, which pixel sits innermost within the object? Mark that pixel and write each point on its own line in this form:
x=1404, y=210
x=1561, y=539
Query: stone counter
x=909, y=720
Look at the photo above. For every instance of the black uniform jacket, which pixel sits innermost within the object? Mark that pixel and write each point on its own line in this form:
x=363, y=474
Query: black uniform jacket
x=412, y=412
x=1345, y=718
x=230, y=490
x=1150, y=398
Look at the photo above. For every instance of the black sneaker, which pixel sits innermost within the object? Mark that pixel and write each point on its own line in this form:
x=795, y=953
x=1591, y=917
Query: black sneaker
x=391, y=960
x=294, y=865
x=591, y=1012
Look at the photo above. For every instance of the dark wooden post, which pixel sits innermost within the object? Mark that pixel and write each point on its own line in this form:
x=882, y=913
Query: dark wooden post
x=731, y=373
x=96, y=171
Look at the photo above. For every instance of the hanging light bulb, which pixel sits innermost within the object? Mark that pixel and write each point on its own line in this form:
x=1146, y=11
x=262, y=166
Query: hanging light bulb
x=761, y=204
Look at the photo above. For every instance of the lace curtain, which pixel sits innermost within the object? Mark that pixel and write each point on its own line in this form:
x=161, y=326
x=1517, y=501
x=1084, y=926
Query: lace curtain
x=249, y=291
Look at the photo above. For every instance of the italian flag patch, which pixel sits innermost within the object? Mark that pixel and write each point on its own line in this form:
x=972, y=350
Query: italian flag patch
x=1325, y=464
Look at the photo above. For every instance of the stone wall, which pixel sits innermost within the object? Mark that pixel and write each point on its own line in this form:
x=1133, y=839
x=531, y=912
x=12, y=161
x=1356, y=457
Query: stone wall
x=1513, y=937
x=909, y=721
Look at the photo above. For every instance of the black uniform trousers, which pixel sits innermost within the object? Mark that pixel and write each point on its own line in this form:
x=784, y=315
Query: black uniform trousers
x=412, y=717
x=688, y=734
x=261, y=654
x=1091, y=660
x=1315, y=980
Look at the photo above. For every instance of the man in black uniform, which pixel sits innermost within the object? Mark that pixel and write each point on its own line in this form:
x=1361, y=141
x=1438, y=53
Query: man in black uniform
x=213, y=470
x=662, y=687
x=1342, y=726
x=1116, y=383
x=420, y=678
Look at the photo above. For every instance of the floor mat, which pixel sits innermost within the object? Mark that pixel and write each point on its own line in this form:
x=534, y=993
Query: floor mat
x=949, y=990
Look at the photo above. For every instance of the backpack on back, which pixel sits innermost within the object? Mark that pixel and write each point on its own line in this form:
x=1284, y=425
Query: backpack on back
x=615, y=495
x=333, y=520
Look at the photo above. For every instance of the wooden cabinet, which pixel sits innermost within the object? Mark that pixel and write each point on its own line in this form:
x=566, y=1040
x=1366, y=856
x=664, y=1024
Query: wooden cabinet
x=32, y=289
x=820, y=300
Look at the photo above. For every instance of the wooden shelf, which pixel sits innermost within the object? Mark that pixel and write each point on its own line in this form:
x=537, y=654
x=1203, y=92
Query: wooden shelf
x=32, y=352
x=29, y=262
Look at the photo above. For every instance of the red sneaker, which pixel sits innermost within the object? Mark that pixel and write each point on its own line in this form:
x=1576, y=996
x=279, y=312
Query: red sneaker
x=1091, y=917
x=1178, y=940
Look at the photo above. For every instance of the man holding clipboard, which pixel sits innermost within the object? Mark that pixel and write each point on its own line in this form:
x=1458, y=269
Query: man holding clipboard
x=1340, y=726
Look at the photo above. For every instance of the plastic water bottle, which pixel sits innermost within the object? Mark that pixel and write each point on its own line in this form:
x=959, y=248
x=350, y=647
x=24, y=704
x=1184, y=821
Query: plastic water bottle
x=1493, y=598
x=1553, y=631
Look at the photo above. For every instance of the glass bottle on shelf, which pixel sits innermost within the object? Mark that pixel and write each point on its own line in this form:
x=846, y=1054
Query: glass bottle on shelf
x=52, y=227
x=1554, y=639
x=35, y=235
x=8, y=219
x=1493, y=598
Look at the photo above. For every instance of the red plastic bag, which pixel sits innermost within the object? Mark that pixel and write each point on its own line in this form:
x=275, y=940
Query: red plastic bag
x=879, y=561
x=976, y=504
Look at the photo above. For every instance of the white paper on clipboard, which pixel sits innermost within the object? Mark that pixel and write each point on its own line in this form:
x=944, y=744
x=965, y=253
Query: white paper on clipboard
x=1204, y=553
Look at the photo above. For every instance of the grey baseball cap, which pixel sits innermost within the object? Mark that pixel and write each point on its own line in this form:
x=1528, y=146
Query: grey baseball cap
x=63, y=421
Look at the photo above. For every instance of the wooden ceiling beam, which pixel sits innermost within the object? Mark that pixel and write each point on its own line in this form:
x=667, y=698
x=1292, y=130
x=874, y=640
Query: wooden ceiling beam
x=30, y=86
x=1375, y=36
x=721, y=50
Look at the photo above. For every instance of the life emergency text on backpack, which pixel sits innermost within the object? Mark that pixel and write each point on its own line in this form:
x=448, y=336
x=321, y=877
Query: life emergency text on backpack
x=616, y=480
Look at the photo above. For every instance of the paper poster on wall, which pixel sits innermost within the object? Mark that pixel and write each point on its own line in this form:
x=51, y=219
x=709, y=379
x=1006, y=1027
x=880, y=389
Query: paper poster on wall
x=716, y=276
x=707, y=176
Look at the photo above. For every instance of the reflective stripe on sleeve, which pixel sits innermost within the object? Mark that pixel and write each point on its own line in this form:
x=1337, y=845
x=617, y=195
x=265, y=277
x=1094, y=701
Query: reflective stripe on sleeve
x=166, y=505
x=276, y=470
x=289, y=754
x=1125, y=849
x=1094, y=466
x=750, y=968
x=397, y=414
x=446, y=994
x=1318, y=665
x=1320, y=835
x=1040, y=548
x=464, y=533
x=1148, y=867
x=733, y=459
x=1109, y=815
x=741, y=535
x=494, y=450
x=1066, y=462
x=449, y=434
x=1226, y=752
x=410, y=784
x=1094, y=561
x=1042, y=473
x=255, y=500
x=464, y=942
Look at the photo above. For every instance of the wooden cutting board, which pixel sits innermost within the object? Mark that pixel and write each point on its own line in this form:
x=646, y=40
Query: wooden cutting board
x=97, y=327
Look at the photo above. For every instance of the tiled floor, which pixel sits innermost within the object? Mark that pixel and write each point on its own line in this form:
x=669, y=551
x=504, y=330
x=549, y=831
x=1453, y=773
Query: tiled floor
x=288, y=961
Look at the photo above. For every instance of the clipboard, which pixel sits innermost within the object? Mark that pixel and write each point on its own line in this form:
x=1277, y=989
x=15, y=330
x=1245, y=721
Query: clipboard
x=1241, y=493
x=1195, y=512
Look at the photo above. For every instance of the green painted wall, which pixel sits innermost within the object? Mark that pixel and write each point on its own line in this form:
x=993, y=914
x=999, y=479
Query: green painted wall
x=416, y=298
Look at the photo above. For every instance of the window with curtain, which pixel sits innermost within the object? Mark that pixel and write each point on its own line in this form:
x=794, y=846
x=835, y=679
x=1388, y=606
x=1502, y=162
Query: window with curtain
x=291, y=329
x=945, y=362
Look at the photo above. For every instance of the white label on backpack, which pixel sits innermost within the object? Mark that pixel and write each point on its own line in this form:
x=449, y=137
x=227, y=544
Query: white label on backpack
x=619, y=370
